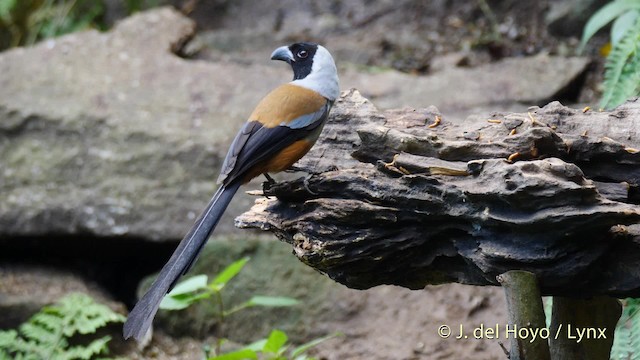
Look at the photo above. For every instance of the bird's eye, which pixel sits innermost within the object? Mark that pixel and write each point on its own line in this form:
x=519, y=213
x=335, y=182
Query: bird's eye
x=302, y=54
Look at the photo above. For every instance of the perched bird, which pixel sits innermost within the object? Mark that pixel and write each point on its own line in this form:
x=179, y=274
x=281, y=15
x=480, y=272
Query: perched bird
x=282, y=128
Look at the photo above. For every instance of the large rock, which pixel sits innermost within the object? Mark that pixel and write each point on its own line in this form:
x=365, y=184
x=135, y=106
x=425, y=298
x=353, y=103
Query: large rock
x=24, y=290
x=112, y=134
x=527, y=81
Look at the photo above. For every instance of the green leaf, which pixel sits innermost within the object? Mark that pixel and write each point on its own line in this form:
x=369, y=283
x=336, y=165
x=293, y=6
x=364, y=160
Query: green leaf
x=266, y=301
x=242, y=354
x=622, y=25
x=96, y=347
x=83, y=315
x=185, y=293
x=183, y=301
x=605, y=15
x=275, y=342
x=272, y=301
x=7, y=337
x=34, y=331
x=625, y=342
x=306, y=346
x=622, y=69
x=170, y=303
x=46, y=335
x=192, y=284
x=547, y=306
x=228, y=273
x=256, y=346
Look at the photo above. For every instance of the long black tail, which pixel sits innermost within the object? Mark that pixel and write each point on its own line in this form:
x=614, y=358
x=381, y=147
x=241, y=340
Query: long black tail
x=141, y=317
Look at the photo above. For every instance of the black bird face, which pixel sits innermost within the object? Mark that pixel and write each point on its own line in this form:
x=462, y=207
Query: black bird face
x=299, y=55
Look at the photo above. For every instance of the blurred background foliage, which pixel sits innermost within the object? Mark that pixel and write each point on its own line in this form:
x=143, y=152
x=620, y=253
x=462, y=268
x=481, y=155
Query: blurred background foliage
x=24, y=22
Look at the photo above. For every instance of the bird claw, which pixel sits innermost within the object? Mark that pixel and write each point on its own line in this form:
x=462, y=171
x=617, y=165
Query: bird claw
x=305, y=183
x=268, y=185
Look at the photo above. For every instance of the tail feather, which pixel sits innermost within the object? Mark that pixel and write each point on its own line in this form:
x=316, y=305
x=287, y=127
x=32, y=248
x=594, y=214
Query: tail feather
x=140, y=319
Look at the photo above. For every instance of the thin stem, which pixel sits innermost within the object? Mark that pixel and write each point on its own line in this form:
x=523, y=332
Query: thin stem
x=220, y=320
x=491, y=16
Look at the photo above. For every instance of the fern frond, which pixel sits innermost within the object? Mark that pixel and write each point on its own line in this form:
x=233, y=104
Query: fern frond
x=622, y=69
x=7, y=337
x=96, y=347
x=622, y=24
x=47, y=320
x=28, y=350
x=85, y=316
x=634, y=322
x=35, y=332
x=621, y=349
x=605, y=15
x=46, y=335
x=626, y=342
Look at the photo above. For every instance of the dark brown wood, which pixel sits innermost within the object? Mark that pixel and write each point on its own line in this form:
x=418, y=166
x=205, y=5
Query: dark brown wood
x=583, y=329
x=402, y=198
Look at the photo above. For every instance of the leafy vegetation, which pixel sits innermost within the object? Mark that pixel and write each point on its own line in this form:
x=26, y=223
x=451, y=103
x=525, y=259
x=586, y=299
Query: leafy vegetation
x=622, y=67
x=48, y=334
x=273, y=348
x=198, y=288
x=621, y=81
x=626, y=343
x=138, y=5
x=24, y=22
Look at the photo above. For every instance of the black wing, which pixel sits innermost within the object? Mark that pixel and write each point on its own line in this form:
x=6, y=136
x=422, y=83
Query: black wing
x=255, y=143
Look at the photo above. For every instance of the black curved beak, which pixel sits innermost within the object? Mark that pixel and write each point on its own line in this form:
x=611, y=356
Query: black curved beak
x=282, y=53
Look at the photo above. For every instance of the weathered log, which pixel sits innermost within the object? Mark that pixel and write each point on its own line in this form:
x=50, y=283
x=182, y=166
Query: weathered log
x=407, y=198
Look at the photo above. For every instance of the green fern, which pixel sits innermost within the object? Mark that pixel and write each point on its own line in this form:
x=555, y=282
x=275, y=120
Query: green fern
x=622, y=69
x=46, y=335
x=626, y=342
x=621, y=12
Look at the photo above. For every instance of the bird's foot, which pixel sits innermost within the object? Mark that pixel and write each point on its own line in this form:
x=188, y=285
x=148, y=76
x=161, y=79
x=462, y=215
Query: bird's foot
x=310, y=171
x=305, y=183
x=268, y=185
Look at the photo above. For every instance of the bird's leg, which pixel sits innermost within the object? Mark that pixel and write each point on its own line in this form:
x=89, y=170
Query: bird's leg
x=311, y=173
x=270, y=180
x=266, y=186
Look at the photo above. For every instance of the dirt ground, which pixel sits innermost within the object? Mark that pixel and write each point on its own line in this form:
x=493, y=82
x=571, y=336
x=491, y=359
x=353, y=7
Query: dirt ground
x=387, y=323
x=403, y=324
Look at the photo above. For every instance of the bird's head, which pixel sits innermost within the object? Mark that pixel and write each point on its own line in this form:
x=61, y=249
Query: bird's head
x=313, y=67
